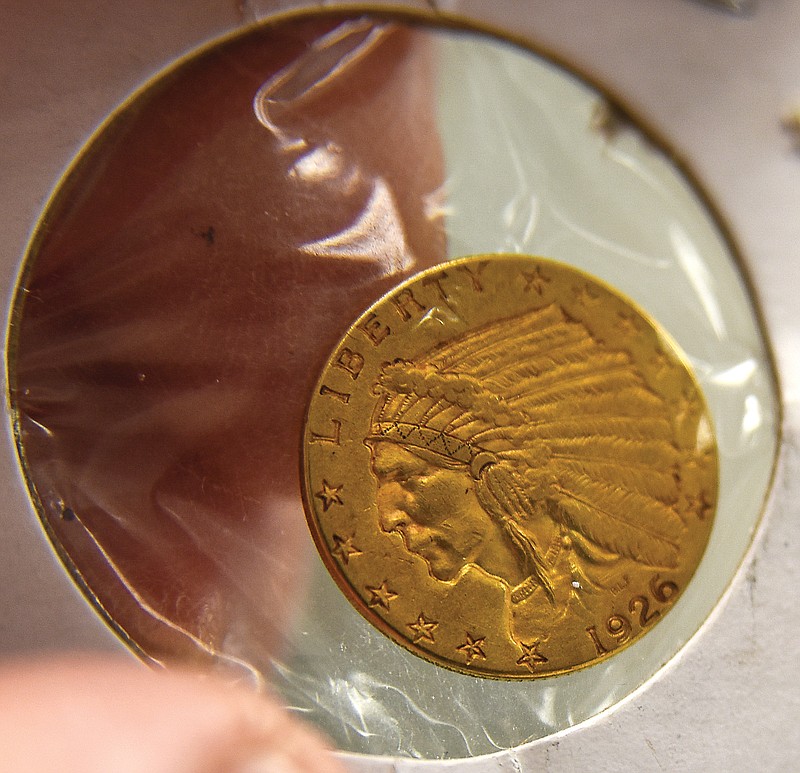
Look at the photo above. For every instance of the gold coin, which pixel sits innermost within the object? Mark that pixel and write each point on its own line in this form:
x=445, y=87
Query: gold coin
x=509, y=468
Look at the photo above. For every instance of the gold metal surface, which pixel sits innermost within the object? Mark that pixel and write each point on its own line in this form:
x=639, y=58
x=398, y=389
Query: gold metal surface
x=508, y=467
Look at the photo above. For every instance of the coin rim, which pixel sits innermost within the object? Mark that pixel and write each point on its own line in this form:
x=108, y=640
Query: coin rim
x=320, y=542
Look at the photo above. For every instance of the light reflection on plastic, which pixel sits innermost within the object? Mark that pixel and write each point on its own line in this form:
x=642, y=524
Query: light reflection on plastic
x=378, y=231
x=752, y=418
x=322, y=63
x=638, y=169
x=738, y=375
x=320, y=164
x=370, y=716
x=364, y=706
x=608, y=245
x=239, y=667
x=522, y=208
x=47, y=431
x=436, y=203
x=547, y=710
x=295, y=146
x=698, y=274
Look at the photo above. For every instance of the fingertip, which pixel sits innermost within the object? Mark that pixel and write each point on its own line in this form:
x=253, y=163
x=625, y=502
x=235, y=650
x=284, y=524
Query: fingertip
x=94, y=715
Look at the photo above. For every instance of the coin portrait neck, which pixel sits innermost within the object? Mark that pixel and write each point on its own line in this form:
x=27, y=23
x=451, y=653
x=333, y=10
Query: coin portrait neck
x=498, y=558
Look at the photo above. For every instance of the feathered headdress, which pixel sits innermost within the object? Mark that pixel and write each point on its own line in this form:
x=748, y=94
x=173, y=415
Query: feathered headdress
x=551, y=421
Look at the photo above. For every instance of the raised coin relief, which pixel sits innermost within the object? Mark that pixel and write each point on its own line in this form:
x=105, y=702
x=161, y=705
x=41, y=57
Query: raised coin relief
x=525, y=455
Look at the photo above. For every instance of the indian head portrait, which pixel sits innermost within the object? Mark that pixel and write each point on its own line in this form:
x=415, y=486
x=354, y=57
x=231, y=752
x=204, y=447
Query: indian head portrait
x=536, y=455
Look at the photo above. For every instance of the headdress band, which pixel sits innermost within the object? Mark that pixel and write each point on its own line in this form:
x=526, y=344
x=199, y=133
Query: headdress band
x=436, y=442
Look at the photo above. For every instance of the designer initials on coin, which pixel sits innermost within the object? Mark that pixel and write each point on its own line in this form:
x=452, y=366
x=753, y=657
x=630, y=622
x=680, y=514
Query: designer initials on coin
x=509, y=468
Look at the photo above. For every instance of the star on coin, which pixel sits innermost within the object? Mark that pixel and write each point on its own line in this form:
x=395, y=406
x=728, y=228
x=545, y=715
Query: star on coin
x=344, y=549
x=698, y=504
x=473, y=648
x=423, y=628
x=660, y=361
x=583, y=295
x=531, y=655
x=329, y=495
x=381, y=596
x=535, y=279
x=626, y=322
x=706, y=507
x=685, y=405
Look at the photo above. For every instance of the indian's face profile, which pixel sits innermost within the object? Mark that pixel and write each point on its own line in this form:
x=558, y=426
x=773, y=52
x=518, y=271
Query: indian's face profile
x=435, y=509
x=486, y=463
